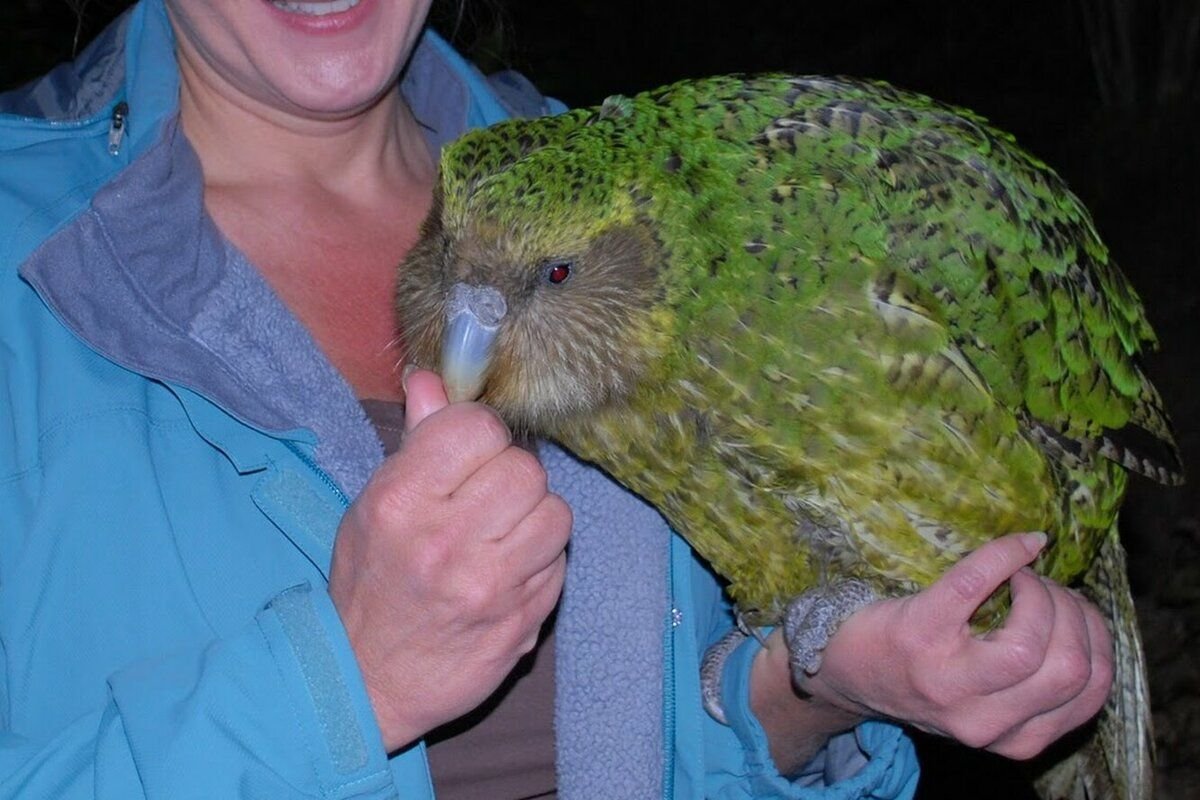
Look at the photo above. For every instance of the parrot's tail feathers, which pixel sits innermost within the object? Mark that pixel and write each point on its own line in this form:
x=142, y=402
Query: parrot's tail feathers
x=1075, y=768
x=1125, y=726
x=1134, y=448
x=1143, y=453
x=1116, y=753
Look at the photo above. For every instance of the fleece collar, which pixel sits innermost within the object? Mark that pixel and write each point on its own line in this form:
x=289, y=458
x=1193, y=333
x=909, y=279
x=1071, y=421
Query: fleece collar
x=144, y=277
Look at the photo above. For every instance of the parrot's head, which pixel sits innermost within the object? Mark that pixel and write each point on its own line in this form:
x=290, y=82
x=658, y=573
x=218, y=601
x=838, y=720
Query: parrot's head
x=536, y=284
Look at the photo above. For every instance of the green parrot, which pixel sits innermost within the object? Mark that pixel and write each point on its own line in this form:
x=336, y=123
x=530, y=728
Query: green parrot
x=839, y=334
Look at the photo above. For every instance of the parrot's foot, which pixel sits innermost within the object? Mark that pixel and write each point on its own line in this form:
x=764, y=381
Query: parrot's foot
x=810, y=621
x=713, y=667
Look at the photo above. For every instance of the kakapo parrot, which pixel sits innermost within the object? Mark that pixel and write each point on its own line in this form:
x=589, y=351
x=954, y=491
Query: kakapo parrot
x=839, y=334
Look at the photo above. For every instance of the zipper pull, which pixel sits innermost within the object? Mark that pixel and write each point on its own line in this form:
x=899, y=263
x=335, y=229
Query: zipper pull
x=116, y=130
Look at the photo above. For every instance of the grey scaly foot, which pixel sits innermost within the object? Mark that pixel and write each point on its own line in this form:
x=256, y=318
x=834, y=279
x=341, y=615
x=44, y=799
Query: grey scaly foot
x=713, y=666
x=810, y=621
x=711, y=669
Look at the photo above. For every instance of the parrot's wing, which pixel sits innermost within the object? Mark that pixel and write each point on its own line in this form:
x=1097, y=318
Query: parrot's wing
x=1058, y=324
x=865, y=418
x=998, y=249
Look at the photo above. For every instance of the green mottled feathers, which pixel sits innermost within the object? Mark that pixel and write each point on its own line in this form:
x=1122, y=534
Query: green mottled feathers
x=827, y=327
x=881, y=332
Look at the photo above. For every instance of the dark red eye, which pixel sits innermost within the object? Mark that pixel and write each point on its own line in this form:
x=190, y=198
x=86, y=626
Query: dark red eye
x=558, y=271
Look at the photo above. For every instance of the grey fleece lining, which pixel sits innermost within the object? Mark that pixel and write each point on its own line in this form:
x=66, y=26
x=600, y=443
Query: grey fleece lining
x=290, y=374
x=611, y=622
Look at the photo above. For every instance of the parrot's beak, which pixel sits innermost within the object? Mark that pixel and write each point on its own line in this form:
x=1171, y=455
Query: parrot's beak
x=473, y=316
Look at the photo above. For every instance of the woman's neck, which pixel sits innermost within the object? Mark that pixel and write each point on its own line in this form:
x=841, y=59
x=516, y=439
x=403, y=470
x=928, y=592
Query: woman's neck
x=324, y=208
x=240, y=140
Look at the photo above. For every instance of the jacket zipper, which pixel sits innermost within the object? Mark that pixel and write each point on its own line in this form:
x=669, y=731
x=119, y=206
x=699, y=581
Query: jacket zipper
x=116, y=127
x=674, y=619
x=324, y=476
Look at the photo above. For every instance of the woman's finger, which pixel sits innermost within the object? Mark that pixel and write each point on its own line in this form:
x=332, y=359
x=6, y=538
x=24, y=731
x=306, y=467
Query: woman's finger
x=1068, y=689
x=423, y=395
x=948, y=604
x=1017, y=649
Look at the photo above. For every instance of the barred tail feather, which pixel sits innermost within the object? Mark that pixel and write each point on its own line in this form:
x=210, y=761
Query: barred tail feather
x=1126, y=728
x=1115, y=760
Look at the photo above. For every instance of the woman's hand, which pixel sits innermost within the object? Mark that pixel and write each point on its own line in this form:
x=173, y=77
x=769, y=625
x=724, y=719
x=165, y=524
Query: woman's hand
x=447, y=564
x=1013, y=691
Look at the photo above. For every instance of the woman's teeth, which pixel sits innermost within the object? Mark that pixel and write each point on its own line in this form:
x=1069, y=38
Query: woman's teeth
x=319, y=9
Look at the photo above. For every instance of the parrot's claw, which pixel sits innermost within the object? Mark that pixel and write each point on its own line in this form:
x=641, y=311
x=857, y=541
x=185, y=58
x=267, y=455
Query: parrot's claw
x=810, y=621
x=748, y=629
x=713, y=667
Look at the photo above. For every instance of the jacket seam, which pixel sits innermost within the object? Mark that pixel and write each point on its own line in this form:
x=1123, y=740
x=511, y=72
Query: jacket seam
x=157, y=317
x=71, y=420
x=81, y=193
x=21, y=474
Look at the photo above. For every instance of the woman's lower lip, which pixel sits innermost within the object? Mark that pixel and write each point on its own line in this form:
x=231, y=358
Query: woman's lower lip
x=330, y=16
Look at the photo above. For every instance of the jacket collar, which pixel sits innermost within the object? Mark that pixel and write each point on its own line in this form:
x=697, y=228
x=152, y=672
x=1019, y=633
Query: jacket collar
x=144, y=277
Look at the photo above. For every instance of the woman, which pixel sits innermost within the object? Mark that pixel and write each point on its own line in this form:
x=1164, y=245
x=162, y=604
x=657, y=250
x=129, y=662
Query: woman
x=212, y=584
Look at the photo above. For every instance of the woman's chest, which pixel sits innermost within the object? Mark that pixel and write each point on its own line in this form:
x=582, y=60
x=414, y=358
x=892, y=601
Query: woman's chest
x=337, y=273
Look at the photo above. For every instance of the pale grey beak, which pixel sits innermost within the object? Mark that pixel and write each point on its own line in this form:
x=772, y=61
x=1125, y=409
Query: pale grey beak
x=473, y=316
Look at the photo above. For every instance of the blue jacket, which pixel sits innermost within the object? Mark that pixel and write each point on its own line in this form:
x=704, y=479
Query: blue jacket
x=175, y=455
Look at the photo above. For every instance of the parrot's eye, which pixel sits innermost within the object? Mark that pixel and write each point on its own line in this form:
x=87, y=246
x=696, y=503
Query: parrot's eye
x=558, y=271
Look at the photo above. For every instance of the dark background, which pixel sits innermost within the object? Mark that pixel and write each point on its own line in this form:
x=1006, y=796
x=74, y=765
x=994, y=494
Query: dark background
x=1106, y=91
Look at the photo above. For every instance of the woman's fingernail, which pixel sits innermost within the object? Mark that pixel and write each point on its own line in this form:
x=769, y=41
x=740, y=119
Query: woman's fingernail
x=1034, y=542
x=408, y=370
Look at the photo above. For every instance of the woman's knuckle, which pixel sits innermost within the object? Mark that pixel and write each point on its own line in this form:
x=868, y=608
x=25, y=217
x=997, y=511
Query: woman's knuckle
x=527, y=644
x=1092, y=699
x=525, y=469
x=560, y=513
x=380, y=510
x=429, y=562
x=557, y=572
x=1103, y=670
x=971, y=734
x=478, y=596
x=1024, y=656
x=910, y=639
x=1073, y=670
x=968, y=581
x=929, y=688
x=486, y=427
x=1022, y=748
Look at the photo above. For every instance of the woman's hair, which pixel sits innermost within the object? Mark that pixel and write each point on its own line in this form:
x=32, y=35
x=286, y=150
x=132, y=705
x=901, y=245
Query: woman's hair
x=479, y=29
